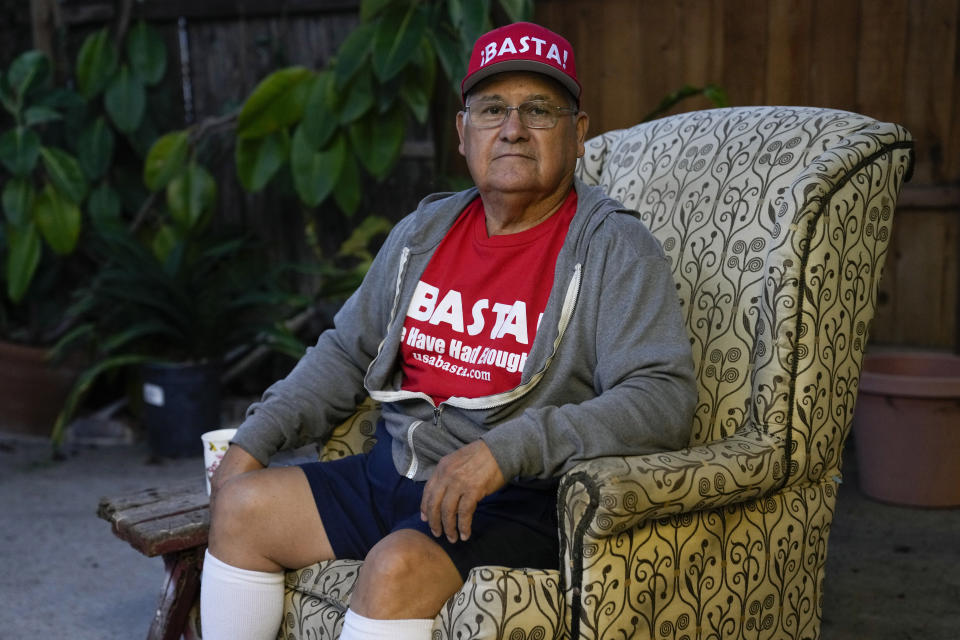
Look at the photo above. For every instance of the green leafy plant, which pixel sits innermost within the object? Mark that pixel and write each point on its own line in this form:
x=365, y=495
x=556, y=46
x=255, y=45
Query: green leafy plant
x=61, y=168
x=331, y=127
x=211, y=296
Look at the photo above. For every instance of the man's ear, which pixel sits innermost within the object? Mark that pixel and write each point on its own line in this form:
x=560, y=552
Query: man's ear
x=583, y=125
x=460, y=125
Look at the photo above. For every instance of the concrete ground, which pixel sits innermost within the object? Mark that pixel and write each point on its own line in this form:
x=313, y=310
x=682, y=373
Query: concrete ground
x=893, y=573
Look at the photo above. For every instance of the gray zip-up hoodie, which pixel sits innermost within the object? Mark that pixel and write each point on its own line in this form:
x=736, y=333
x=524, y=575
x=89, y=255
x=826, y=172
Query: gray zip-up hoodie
x=609, y=373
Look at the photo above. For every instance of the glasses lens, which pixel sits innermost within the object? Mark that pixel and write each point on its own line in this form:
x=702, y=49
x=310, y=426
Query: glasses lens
x=538, y=115
x=488, y=113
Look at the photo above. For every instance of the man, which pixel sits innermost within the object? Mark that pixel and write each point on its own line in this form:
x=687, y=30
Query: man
x=509, y=331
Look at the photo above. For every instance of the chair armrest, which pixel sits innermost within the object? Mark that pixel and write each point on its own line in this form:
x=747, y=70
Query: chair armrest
x=606, y=496
x=356, y=435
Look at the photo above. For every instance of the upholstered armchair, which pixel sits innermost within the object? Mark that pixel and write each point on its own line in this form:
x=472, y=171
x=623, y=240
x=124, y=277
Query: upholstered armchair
x=776, y=221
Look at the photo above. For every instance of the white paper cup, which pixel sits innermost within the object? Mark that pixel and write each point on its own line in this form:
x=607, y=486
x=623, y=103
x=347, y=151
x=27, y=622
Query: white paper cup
x=215, y=445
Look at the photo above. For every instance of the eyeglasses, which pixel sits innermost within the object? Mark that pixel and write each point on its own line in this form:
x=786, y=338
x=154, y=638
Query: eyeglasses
x=535, y=114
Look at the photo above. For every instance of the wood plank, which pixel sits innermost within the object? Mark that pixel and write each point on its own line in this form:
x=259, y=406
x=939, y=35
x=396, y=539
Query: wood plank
x=744, y=28
x=78, y=12
x=923, y=263
x=127, y=521
x=697, y=41
x=111, y=505
x=951, y=165
x=834, y=40
x=160, y=520
x=659, y=71
x=168, y=535
x=883, y=49
x=929, y=68
x=622, y=70
x=788, y=52
x=945, y=197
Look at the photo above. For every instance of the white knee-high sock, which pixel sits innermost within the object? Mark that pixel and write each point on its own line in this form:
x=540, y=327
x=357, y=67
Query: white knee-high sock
x=237, y=604
x=356, y=627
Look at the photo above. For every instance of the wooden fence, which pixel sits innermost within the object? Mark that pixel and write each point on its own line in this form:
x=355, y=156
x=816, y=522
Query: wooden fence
x=896, y=60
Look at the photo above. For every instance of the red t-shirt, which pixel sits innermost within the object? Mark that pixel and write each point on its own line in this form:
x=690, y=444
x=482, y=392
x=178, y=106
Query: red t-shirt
x=477, y=307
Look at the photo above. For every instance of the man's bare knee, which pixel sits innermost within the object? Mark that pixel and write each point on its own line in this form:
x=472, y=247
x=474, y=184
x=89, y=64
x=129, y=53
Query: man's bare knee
x=406, y=575
x=267, y=520
x=234, y=512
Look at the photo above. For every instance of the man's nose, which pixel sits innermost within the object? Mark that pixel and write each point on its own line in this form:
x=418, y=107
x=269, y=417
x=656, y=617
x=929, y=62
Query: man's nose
x=512, y=127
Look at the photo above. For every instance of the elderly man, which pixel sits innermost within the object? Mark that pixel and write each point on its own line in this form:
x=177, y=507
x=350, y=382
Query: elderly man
x=509, y=331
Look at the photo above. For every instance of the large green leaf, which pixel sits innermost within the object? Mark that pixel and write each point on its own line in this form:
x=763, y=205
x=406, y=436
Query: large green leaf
x=518, y=10
x=353, y=53
x=166, y=158
x=358, y=244
x=315, y=172
x=126, y=100
x=96, y=141
x=190, y=195
x=68, y=103
x=64, y=171
x=452, y=55
x=96, y=63
x=164, y=241
x=359, y=99
x=104, y=208
x=275, y=103
x=418, y=83
x=147, y=53
x=370, y=8
x=259, y=159
x=23, y=256
x=58, y=219
x=28, y=70
x=319, y=121
x=396, y=40
x=39, y=114
x=19, y=149
x=18, y=198
x=7, y=98
x=378, y=141
x=474, y=20
x=347, y=191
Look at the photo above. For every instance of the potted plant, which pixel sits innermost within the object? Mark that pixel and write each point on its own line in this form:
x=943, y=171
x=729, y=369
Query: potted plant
x=52, y=194
x=173, y=319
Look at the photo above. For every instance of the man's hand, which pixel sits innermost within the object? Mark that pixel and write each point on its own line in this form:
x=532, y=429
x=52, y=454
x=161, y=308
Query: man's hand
x=235, y=462
x=460, y=481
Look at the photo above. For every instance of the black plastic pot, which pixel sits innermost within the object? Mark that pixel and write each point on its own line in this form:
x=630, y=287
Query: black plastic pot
x=180, y=402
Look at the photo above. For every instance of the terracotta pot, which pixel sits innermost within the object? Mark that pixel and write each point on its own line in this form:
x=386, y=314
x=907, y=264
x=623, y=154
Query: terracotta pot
x=32, y=391
x=907, y=428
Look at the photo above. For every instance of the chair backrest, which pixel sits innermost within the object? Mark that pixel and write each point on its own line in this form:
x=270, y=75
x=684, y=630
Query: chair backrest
x=776, y=222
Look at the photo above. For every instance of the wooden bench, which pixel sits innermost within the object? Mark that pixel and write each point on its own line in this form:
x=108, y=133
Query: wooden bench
x=171, y=522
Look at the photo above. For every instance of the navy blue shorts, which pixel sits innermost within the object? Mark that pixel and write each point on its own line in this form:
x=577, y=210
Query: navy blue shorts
x=362, y=498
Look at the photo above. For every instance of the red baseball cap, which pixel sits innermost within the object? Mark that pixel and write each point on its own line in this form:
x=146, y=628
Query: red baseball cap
x=522, y=46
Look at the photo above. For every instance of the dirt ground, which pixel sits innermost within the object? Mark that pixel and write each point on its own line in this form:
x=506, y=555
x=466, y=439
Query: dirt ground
x=893, y=573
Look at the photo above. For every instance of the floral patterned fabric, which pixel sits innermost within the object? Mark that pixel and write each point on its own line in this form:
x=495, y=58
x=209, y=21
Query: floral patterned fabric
x=776, y=221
